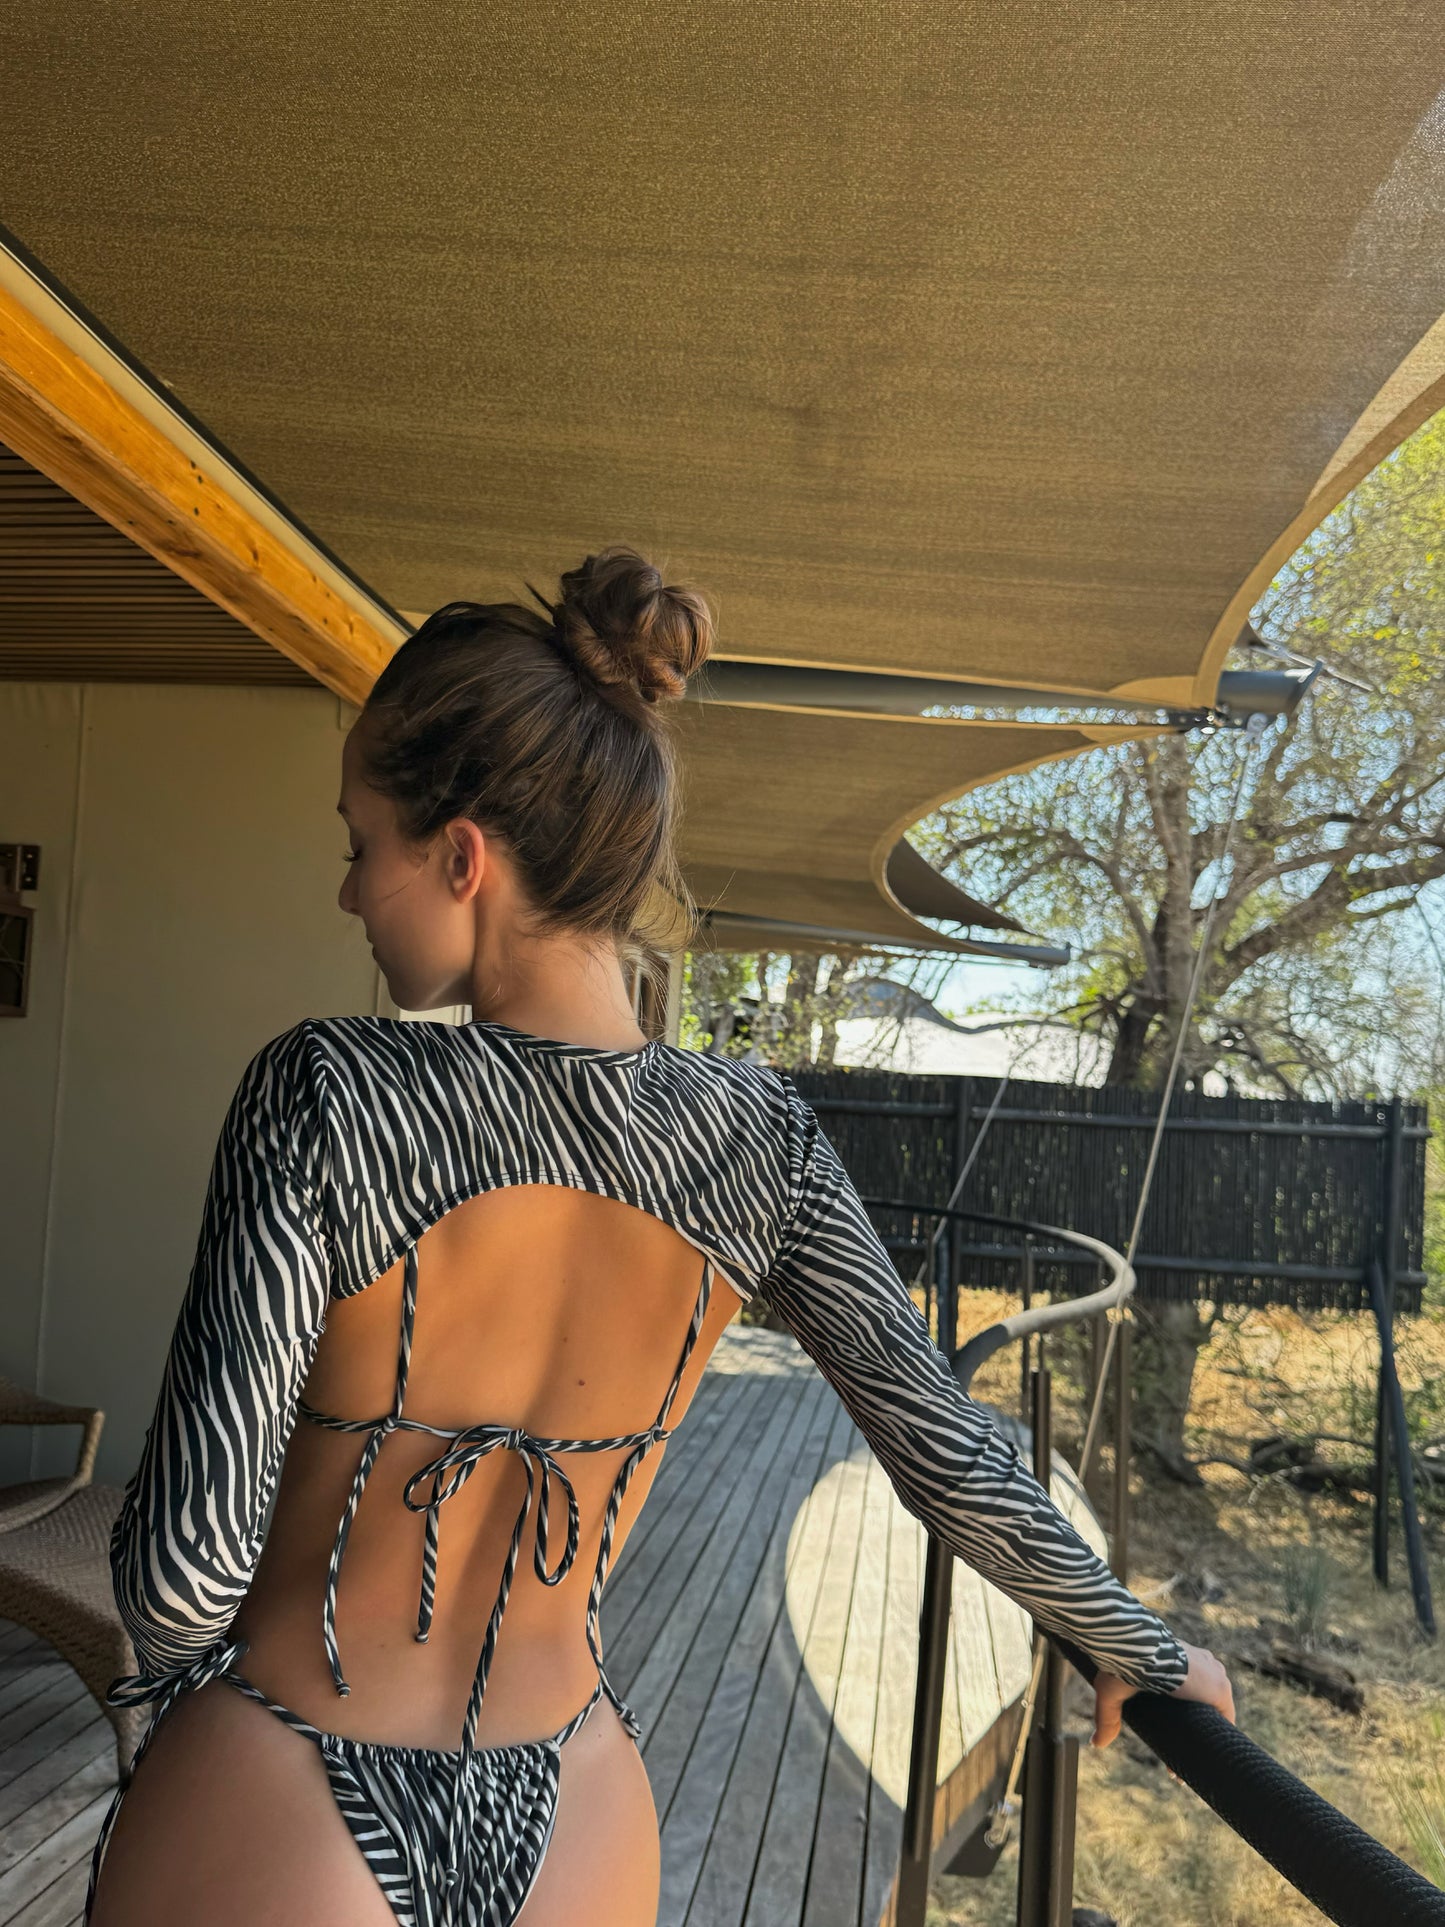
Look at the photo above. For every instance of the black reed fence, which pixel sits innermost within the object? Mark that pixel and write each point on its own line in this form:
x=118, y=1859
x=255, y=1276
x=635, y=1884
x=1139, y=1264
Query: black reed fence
x=1256, y=1201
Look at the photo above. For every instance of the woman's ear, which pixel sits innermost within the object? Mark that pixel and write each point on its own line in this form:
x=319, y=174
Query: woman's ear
x=466, y=857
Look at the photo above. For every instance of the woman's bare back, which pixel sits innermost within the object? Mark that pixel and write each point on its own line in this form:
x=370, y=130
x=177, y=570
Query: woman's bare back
x=555, y=1310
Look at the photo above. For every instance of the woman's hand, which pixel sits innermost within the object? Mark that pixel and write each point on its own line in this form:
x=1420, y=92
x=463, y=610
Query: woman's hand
x=1206, y=1681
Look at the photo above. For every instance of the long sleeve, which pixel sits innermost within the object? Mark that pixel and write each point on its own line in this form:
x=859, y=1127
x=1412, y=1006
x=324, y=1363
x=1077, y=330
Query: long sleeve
x=834, y=1285
x=191, y=1523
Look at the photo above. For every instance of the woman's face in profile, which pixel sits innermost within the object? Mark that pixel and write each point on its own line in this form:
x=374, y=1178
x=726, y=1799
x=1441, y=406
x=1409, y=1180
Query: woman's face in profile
x=422, y=934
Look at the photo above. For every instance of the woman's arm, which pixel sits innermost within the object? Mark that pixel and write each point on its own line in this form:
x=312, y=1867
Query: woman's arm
x=836, y=1288
x=190, y=1526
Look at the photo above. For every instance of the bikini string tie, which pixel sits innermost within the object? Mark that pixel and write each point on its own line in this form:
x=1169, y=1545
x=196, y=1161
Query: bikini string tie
x=428, y=1490
x=448, y=1473
x=134, y=1689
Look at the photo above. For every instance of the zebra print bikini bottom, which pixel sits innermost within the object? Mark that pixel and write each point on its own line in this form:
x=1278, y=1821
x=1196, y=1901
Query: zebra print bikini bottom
x=400, y=1803
x=455, y=1836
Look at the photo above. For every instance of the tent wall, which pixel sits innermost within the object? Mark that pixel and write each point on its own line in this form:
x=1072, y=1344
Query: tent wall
x=190, y=860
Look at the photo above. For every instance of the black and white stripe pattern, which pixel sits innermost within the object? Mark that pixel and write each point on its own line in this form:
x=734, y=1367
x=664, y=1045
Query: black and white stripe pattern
x=348, y=1137
x=401, y=1802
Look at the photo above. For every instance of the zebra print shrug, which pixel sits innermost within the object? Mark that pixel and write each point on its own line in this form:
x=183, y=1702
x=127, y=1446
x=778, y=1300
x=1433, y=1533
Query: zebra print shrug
x=347, y=1137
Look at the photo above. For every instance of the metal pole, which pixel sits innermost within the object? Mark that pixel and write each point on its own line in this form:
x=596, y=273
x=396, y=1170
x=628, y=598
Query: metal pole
x=943, y=1296
x=1390, y=1200
x=1063, y=1802
x=1046, y=1839
x=1036, y=1820
x=1099, y=1492
x=672, y=1006
x=953, y=1237
x=1394, y=1193
x=916, y=1860
x=1381, y=1521
x=1404, y=1469
x=1123, y=1446
x=1026, y=1349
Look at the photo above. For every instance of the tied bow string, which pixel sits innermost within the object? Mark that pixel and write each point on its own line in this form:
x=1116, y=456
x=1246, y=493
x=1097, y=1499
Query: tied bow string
x=428, y=1490
x=449, y=1472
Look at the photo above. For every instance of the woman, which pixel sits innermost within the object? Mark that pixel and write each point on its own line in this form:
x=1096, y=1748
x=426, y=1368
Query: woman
x=486, y=1265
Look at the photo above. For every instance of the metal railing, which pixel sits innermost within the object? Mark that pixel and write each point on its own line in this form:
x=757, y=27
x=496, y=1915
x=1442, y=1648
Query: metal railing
x=1351, y=1877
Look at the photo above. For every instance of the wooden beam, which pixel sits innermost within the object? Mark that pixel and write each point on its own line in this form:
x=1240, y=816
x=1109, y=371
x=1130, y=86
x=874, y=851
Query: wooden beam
x=66, y=414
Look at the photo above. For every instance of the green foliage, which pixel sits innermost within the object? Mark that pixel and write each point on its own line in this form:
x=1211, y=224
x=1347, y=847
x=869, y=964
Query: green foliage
x=1417, y=1791
x=1434, y=1294
x=1307, y=1579
x=715, y=984
x=783, y=1008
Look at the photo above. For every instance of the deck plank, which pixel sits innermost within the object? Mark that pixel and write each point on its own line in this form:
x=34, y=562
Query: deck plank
x=664, y=1576
x=62, y=1904
x=77, y=1714
x=780, y=1884
x=726, y=1880
x=834, y=1891
x=893, y=1726
x=678, y=1678
x=678, y=1460
x=93, y=1742
x=44, y=1669
x=26, y=1888
x=755, y=1463
x=692, y=1815
x=52, y=1810
x=59, y=1688
x=655, y=1568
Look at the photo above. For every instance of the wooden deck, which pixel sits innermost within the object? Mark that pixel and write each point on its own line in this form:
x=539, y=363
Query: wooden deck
x=763, y=1621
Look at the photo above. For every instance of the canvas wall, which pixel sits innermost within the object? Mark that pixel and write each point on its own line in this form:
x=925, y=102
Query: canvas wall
x=190, y=861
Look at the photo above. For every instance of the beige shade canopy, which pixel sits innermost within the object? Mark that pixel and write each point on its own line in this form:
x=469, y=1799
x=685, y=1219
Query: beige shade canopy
x=970, y=339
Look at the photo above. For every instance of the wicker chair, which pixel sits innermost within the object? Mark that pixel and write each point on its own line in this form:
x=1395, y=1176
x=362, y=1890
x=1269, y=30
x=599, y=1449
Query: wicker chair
x=55, y=1562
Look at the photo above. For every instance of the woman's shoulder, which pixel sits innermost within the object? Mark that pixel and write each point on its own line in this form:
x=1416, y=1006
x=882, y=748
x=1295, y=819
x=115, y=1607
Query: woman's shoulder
x=712, y=1144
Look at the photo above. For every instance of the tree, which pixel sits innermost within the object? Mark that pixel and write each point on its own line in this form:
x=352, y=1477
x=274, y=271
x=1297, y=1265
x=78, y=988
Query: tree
x=784, y=1007
x=1323, y=969
x=1342, y=827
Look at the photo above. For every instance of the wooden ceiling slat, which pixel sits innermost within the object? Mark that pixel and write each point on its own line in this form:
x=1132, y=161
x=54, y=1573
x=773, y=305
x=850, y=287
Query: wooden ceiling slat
x=76, y=412
x=80, y=602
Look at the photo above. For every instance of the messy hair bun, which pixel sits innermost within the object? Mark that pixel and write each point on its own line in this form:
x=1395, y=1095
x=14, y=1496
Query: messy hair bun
x=542, y=726
x=627, y=629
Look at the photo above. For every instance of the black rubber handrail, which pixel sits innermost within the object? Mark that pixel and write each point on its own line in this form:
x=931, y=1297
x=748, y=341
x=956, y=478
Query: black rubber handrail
x=1353, y=1878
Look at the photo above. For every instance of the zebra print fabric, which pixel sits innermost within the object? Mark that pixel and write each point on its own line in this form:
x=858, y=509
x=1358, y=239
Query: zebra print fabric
x=348, y=1137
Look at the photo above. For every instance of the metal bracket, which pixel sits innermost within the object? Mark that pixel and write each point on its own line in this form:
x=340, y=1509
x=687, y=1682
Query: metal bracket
x=19, y=867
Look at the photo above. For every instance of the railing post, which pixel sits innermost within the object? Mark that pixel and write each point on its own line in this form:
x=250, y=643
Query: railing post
x=943, y=1293
x=916, y=1860
x=1063, y=1795
x=1036, y=1817
x=953, y=1235
x=1046, y=1831
x=1404, y=1465
x=1123, y=1444
x=1097, y=1487
x=1391, y=1192
x=915, y=1863
x=1026, y=1345
x=1380, y=1535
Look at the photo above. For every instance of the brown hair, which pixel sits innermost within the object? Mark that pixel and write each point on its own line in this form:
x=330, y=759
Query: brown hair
x=543, y=727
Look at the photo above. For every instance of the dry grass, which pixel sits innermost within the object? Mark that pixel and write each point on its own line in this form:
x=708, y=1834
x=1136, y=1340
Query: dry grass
x=1148, y=1851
